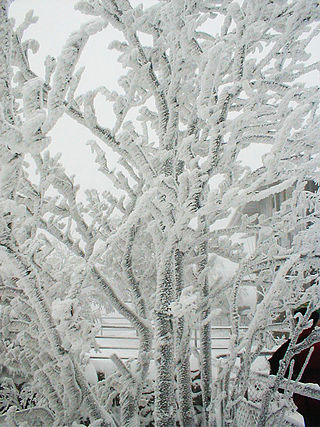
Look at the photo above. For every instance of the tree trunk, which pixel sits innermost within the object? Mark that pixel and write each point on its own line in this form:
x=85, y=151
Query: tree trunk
x=165, y=405
x=205, y=363
x=205, y=330
x=182, y=348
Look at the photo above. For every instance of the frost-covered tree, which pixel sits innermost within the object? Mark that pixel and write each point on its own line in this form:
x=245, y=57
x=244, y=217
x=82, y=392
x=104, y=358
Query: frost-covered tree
x=214, y=78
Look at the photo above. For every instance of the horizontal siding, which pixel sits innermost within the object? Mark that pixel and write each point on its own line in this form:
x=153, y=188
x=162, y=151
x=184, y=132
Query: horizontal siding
x=117, y=336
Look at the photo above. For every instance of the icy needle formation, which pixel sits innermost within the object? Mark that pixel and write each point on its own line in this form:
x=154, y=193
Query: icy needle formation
x=165, y=244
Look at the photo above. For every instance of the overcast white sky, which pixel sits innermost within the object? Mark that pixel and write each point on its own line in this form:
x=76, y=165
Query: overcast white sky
x=57, y=19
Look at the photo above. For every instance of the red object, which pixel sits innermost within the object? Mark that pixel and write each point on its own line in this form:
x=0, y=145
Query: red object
x=309, y=408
